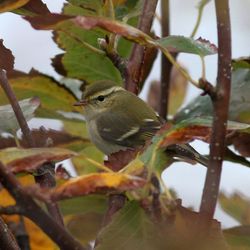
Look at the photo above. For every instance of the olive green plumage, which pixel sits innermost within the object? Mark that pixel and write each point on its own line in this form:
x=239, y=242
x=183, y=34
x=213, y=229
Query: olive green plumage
x=117, y=119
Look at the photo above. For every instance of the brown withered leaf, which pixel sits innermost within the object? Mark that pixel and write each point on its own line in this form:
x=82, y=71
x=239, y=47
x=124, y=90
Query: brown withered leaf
x=187, y=134
x=44, y=138
x=191, y=227
x=127, y=31
x=46, y=22
x=178, y=89
x=62, y=173
x=117, y=161
x=241, y=142
x=36, y=7
x=96, y=183
x=6, y=58
x=56, y=62
x=28, y=160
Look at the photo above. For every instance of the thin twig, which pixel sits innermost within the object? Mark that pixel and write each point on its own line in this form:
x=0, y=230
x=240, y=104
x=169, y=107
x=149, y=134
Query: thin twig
x=137, y=56
x=45, y=177
x=166, y=65
x=16, y=108
x=31, y=210
x=7, y=239
x=220, y=104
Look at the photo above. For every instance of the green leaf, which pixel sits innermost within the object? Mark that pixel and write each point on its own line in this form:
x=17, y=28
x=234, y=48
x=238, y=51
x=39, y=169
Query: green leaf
x=83, y=58
x=130, y=228
x=238, y=237
x=84, y=204
x=241, y=63
x=53, y=96
x=8, y=121
x=239, y=109
x=199, y=46
x=92, y=224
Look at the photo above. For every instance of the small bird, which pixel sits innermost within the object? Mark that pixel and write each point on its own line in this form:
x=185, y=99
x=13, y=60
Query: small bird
x=118, y=120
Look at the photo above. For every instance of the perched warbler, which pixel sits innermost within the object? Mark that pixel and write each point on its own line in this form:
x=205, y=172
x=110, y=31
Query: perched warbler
x=118, y=120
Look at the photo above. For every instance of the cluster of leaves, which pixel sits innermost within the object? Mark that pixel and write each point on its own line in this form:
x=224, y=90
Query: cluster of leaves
x=151, y=218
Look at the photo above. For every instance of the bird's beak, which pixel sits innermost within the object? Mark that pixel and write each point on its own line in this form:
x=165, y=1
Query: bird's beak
x=81, y=103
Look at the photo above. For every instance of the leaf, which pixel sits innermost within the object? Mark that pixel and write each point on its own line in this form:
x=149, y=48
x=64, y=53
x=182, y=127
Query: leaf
x=96, y=183
x=178, y=89
x=130, y=228
x=6, y=59
x=160, y=155
x=33, y=7
x=37, y=238
x=236, y=206
x=9, y=5
x=48, y=138
x=116, y=27
x=241, y=142
x=196, y=128
x=53, y=96
x=231, y=156
x=177, y=44
x=238, y=237
x=8, y=121
x=239, y=109
x=27, y=160
x=83, y=205
x=241, y=63
x=82, y=163
x=92, y=224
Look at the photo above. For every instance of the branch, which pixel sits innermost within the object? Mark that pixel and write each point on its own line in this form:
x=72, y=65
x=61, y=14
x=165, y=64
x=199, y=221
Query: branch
x=137, y=56
x=45, y=177
x=8, y=241
x=166, y=65
x=220, y=104
x=31, y=210
x=16, y=108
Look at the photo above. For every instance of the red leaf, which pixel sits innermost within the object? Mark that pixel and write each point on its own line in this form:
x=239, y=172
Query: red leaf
x=6, y=58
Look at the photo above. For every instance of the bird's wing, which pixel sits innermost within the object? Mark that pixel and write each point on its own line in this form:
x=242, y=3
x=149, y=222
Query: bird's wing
x=133, y=133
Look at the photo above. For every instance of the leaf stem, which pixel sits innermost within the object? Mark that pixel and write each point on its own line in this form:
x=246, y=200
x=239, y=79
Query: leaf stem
x=198, y=20
x=220, y=105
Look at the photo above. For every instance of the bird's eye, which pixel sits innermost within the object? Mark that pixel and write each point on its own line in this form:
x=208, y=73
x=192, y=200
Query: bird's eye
x=100, y=98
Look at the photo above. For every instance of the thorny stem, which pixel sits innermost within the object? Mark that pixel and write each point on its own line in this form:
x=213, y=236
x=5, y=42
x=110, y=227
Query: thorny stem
x=31, y=210
x=45, y=178
x=220, y=105
x=7, y=239
x=136, y=59
x=166, y=65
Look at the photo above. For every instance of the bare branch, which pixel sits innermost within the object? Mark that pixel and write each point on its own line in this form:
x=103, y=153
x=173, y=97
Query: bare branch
x=220, y=104
x=31, y=210
x=166, y=65
x=44, y=177
x=137, y=56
